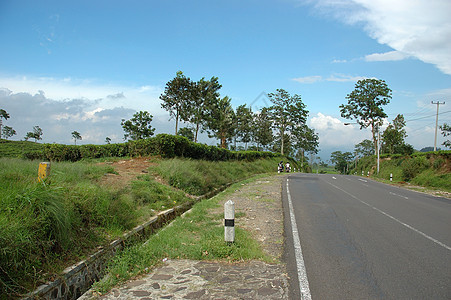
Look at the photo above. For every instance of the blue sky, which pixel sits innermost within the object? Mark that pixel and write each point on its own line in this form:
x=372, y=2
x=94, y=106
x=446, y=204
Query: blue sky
x=85, y=65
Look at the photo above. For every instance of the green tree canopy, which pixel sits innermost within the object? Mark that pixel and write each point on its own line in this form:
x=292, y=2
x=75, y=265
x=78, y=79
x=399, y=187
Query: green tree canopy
x=364, y=148
x=365, y=104
x=221, y=121
x=446, y=131
x=341, y=160
x=138, y=127
x=187, y=132
x=203, y=94
x=244, y=123
x=287, y=112
x=76, y=136
x=262, y=128
x=394, y=135
x=305, y=138
x=8, y=132
x=176, y=97
x=3, y=115
x=36, y=134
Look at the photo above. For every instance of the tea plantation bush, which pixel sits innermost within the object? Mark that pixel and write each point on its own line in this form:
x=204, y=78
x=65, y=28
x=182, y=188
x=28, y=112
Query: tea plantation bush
x=164, y=145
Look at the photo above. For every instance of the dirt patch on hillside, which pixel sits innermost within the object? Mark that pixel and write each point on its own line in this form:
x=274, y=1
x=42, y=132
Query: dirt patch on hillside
x=126, y=171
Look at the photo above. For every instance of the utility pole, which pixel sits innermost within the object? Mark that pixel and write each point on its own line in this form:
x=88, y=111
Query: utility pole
x=436, y=123
x=378, y=148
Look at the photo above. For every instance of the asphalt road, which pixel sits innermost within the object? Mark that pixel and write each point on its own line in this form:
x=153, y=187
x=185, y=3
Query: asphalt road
x=361, y=239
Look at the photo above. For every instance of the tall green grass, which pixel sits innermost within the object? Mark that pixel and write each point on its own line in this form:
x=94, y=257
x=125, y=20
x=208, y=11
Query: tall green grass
x=428, y=170
x=199, y=177
x=44, y=226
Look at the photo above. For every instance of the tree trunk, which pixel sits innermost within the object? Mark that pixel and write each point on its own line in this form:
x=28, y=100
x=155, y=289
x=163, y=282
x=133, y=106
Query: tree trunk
x=281, y=145
x=177, y=122
x=223, y=141
x=197, y=130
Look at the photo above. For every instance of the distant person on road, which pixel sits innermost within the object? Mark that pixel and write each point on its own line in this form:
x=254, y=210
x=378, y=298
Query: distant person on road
x=287, y=167
x=280, y=167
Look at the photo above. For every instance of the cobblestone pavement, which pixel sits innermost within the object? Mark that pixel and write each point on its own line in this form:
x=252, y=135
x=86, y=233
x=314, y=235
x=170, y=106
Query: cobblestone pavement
x=188, y=279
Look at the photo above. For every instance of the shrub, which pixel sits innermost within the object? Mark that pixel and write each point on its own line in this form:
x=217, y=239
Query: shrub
x=412, y=167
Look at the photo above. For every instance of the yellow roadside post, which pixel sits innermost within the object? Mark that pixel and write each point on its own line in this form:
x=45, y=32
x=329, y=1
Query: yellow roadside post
x=43, y=171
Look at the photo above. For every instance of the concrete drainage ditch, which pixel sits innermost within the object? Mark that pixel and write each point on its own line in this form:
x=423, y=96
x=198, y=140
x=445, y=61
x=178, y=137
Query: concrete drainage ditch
x=77, y=279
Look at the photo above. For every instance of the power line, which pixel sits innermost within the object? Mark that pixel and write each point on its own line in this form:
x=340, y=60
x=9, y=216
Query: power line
x=445, y=112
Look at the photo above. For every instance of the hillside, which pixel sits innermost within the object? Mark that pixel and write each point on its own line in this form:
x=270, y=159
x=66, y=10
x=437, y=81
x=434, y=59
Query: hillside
x=18, y=148
x=85, y=204
x=428, y=170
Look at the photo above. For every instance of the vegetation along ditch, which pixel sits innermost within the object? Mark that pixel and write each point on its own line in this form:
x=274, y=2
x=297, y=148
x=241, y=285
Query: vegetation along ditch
x=45, y=227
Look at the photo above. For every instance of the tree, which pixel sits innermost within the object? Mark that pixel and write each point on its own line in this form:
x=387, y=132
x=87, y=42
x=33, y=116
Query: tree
x=3, y=115
x=221, y=121
x=138, y=127
x=176, y=96
x=365, y=104
x=446, y=131
x=8, y=132
x=394, y=135
x=244, y=119
x=286, y=112
x=287, y=144
x=262, y=129
x=341, y=160
x=364, y=148
x=305, y=138
x=107, y=140
x=203, y=94
x=76, y=136
x=36, y=134
x=187, y=132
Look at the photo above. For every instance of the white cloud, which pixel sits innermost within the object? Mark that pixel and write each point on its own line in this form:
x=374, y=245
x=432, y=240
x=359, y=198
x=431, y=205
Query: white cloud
x=387, y=56
x=339, y=61
x=308, y=79
x=344, y=78
x=110, y=95
x=416, y=28
x=60, y=106
x=333, y=133
x=331, y=78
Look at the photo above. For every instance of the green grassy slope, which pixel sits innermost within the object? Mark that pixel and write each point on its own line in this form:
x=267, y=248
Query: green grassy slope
x=431, y=169
x=44, y=227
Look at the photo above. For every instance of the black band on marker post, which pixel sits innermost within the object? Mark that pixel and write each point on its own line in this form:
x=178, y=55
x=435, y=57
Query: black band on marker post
x=229, y=222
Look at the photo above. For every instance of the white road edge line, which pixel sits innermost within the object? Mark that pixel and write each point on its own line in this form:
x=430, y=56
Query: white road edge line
x=394, y=219
x=394, y=194
x=302, y=273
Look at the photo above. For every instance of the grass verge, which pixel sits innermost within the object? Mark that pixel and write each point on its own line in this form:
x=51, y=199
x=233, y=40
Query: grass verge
x=46, y=227
x=197, y=235
x=200, y=177
x=431, y=171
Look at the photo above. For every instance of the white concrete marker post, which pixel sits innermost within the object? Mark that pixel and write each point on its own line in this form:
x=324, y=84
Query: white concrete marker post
x=391, y=176
x=229, y=221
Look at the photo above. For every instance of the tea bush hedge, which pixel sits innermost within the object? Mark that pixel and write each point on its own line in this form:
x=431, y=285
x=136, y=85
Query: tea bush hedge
x=164, y=145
